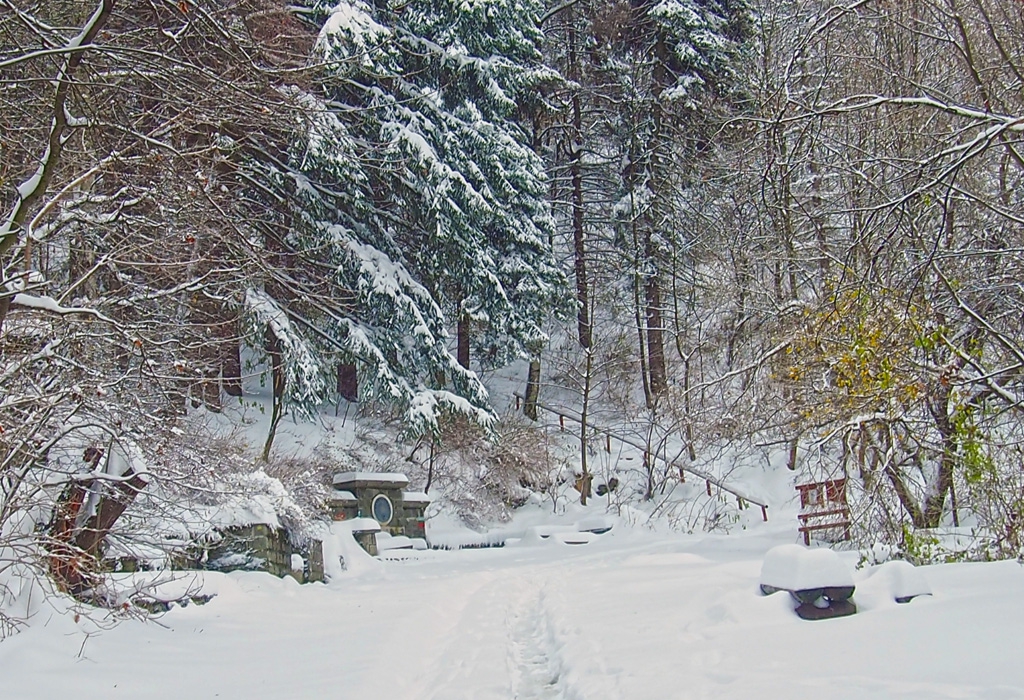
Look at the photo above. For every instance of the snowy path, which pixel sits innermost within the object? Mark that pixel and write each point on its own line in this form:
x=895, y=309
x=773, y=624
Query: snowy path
x=627, y=618
x=538, y=672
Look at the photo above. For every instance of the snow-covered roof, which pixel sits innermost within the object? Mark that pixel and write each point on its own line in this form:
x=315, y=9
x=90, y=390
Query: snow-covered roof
x=366, y=478
x=344, y=496
x=416, y=497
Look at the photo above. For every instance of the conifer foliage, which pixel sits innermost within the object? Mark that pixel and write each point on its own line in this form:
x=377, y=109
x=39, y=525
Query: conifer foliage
x=430, y=206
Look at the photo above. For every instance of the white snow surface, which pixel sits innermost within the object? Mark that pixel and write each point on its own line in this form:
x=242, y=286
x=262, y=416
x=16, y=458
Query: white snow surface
x=389, y=477
x=356, y=525
x=899, y=579
x=632, y=615
x=387, y=542
x=795, y=568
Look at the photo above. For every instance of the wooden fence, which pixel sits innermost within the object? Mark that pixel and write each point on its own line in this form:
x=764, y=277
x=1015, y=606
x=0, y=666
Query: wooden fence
x=710, y=480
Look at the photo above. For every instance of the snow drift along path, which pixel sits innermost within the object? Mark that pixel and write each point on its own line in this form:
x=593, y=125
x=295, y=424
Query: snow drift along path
x=627, y=617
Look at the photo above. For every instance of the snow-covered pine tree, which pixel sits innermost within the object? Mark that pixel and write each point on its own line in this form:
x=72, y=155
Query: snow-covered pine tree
x=697, y=43
x=666, y=60
x=337, y=291
x=431, y=93
x=414, y=195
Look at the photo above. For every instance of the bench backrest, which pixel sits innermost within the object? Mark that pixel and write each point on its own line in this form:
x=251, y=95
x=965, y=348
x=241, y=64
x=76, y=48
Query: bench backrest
x=822, y=494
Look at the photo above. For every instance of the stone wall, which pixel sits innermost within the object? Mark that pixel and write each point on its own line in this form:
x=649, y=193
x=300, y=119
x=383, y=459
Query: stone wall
x=263, y=548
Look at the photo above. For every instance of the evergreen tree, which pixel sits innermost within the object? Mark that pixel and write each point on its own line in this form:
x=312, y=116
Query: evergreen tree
x=415, y=196
x=668, y=59
x=431, y=92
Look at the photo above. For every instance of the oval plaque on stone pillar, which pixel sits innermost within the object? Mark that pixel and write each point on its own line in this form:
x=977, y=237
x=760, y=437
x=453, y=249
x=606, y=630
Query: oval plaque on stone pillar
x=382, y=509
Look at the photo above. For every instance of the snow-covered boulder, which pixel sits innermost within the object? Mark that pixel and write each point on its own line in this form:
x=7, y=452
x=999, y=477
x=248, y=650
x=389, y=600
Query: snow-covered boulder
x=598, y=524
x=901, y=580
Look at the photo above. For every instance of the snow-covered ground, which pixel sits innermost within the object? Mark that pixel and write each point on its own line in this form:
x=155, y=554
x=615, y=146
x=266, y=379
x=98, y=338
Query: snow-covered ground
x=631, y=615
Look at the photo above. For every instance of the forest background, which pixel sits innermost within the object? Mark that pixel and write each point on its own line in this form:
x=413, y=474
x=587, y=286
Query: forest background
x=718, y=226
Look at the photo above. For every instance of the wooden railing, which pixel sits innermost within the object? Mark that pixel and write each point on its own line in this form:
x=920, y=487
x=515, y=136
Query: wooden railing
x=710, y=480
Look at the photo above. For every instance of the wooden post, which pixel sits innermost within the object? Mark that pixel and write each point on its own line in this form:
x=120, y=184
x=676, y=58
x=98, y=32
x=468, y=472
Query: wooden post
x=764, y=513
x=608, y=443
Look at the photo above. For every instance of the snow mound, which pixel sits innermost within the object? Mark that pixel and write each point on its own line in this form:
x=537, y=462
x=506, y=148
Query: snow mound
x=342, y=554
x=895, y=580
x=386, y=541
x=791, y=567
x=356, y=525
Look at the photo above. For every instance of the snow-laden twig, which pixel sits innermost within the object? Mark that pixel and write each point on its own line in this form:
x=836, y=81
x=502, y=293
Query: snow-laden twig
x=857, y=103
x=46, y=303
x=44, y=53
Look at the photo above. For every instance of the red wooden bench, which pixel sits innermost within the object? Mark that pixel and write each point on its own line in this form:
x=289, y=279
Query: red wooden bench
x=823, y=506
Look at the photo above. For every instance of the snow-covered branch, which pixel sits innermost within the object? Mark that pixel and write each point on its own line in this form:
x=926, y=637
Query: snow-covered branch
x=51, y=305
x=856, y=103
x=33, y=189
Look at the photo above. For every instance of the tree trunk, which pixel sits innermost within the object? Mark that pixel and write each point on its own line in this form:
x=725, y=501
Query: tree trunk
x=532, y=389
x=430, y=465
x=112, y=505
x=576, y=173
x=655, y=338
x=584, y=415
x=656, y=215
x=463, y=340
x=211, y=390
x=638, y=313
x=231, y=363
x=278, y=381
x=935, y=500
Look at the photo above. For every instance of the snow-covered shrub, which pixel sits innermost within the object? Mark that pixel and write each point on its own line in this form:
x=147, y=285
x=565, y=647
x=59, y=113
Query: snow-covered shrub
x=486, y=477
x=307, y=479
